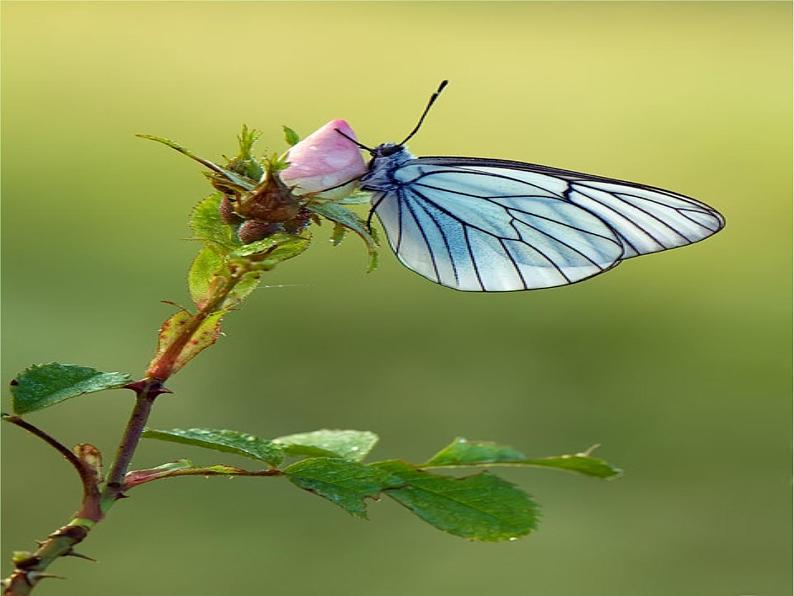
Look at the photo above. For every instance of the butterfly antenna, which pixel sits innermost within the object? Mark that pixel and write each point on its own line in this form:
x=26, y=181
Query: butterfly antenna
x=430, y=103
x=355, y=142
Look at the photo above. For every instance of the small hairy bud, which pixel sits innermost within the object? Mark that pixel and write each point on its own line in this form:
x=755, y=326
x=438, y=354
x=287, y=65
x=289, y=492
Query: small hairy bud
x=295, y=225
x=252, y=230
x=227, y=212
x=272, y=201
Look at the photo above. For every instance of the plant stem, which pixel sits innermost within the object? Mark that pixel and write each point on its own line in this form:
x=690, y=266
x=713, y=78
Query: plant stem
x=29, y=570
x=149, y=388
x=139, y=477
x=147, y=392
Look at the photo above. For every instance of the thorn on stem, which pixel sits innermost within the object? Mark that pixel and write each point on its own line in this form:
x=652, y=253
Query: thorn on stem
x=34, y=576
x=152, y=386
x=74, y=553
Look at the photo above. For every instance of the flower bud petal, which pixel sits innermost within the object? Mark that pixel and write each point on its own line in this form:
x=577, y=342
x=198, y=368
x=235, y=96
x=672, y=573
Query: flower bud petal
x=324, y=160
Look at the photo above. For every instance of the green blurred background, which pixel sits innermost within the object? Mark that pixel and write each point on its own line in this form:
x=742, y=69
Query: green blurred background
x=677, y=363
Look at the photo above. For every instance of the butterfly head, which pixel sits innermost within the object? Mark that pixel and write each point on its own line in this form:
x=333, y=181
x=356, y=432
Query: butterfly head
x=387, y=150
x=386, y=159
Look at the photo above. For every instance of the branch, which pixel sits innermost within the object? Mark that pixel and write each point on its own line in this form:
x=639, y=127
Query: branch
x=146, y=391
x=29, y=570
x=138, y=477
x=149, y=388
x=87, y=472
x=51, y=441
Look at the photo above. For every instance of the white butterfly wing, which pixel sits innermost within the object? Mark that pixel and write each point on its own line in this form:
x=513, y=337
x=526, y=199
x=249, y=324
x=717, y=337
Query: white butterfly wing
x=491, y=225
x=645, y=218
x=480, y=232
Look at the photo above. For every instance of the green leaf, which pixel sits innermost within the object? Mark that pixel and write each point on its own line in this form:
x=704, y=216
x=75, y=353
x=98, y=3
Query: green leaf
x=203, y=337
x=277, y=247
x=44, y=385
x=229, y=175
x=462, y=452
x=353, y=445
x=173, y=330
x=343, y=482
x=209, y=265
x=276, y=163
x=357, y=197
x=246, y=140
x=203, y=271
x=245, y=163
x=582, y=463
x=242, y=289
x=228, y=441
x=480, y=507
x=170, y=330
x=290, y=136
x=338, y=234
x=341, y=215
x=208, y=225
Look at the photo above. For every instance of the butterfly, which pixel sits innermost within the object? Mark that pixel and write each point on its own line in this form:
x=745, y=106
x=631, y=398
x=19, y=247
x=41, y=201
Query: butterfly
x=493, y=225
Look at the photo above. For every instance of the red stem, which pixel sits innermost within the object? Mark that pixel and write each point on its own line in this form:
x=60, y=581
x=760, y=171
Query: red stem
x=147, y=391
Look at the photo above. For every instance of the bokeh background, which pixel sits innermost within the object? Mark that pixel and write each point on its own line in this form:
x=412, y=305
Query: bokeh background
x=678, y=364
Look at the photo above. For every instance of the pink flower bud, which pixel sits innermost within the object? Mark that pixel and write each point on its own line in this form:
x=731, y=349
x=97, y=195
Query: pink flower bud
x=324, y=160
